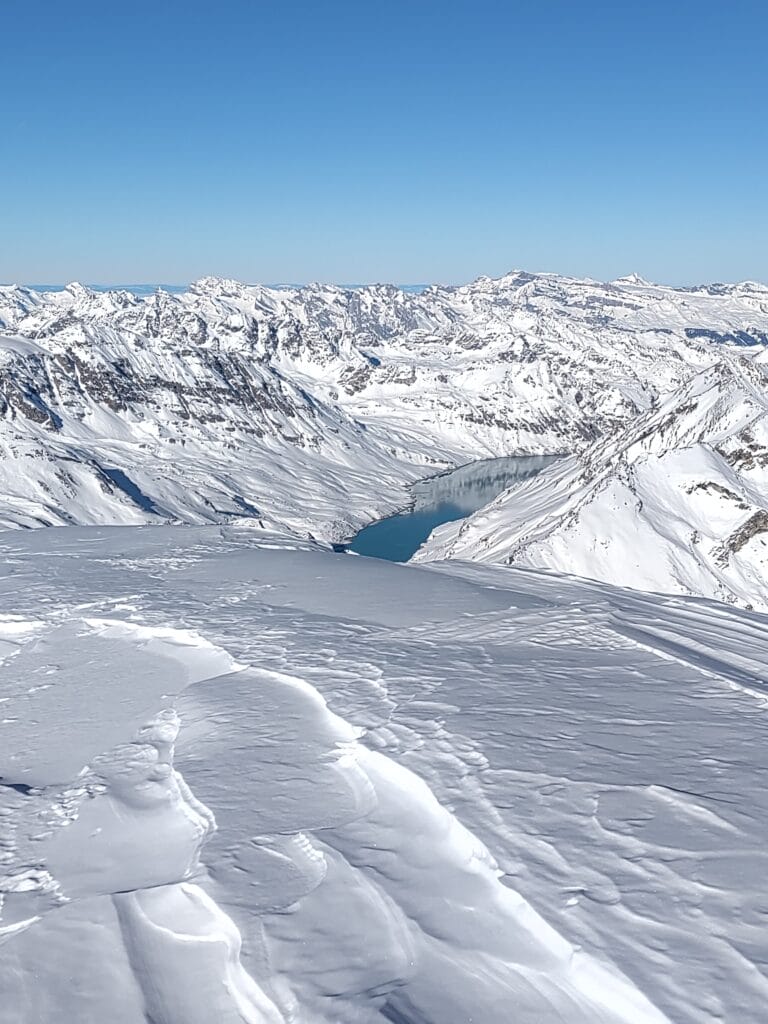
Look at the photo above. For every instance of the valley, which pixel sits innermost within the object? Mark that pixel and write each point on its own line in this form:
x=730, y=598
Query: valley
x=312, y=410
x=249, y=774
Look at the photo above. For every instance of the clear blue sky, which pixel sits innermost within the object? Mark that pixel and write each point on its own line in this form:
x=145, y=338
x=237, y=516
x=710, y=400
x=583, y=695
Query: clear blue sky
x=372, y=140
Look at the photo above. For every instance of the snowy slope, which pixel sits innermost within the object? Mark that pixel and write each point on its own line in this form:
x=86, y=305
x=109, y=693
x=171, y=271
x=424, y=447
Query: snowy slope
x=676, y=502
x=313, y=408
x=244, y=779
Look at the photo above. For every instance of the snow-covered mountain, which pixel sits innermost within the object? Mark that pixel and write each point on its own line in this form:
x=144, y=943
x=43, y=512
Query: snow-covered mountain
x=246, y=781
x=675, y=502
x=313, y=408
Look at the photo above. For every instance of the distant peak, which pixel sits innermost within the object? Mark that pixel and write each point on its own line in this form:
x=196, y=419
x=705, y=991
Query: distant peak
x=517, y=277
x=752, y=286
x=219, y=285
x=633, y=279
x=77, y=289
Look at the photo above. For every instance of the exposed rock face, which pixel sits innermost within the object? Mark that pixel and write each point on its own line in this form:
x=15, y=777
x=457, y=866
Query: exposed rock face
x=756, y=525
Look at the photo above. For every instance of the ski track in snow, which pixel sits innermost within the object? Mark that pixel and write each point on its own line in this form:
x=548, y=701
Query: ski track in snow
x=283, y=785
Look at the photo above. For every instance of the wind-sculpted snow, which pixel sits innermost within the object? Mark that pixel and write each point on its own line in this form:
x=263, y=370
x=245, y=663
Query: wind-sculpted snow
x=313, y=408
x=675, y=502
x=274, y=784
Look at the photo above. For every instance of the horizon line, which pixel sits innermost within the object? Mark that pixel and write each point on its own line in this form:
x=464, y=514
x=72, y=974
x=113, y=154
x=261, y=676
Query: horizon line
x=628, y=278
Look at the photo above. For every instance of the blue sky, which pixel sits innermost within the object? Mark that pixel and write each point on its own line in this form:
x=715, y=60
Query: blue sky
x=408, y=142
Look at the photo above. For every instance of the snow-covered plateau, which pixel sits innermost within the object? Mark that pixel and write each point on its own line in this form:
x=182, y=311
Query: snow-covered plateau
x=247, y=780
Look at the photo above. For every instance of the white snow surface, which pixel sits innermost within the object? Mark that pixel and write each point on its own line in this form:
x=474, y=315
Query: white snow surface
x=243, y=779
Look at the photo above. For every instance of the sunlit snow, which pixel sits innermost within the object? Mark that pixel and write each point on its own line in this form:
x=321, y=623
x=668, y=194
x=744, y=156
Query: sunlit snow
x=270, y=783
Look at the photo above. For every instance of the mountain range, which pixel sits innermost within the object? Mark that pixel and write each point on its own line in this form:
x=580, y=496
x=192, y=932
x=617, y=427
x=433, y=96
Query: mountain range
x=310, y=410
x=244, y=778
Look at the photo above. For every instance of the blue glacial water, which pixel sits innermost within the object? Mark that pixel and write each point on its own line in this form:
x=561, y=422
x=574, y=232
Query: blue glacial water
x=442, y=499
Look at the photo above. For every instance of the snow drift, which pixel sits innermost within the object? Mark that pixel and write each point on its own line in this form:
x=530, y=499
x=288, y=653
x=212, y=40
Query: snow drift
x=245, y=779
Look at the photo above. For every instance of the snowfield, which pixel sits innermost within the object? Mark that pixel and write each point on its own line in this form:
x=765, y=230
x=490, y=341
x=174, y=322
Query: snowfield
x=246, y=779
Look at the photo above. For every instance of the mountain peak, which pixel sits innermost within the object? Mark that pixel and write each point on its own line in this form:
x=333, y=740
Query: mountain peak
x=79, y=291
x=633, y=279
